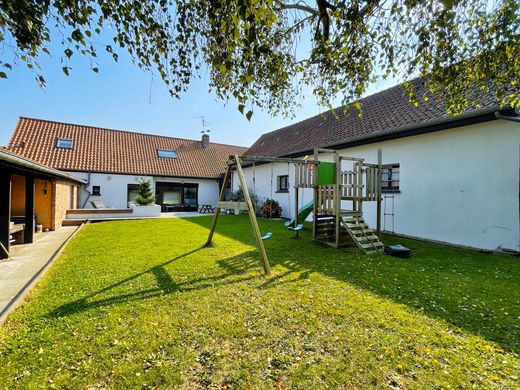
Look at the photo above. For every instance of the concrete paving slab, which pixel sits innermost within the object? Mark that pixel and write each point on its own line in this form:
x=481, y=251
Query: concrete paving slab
x=19, y=275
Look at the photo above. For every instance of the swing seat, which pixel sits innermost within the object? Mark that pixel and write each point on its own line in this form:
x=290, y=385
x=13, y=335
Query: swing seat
x=267, y=236
x=295, y=229
x=287, y=224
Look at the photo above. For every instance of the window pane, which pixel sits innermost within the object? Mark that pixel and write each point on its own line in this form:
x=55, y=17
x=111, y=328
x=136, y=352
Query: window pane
x=132, y=192
x=190, y=196
x=283, y=183
x=166, y=153
x=172, y=197
x=64, y=143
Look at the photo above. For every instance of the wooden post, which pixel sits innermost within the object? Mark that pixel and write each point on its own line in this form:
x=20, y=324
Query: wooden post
x=252, y=217
x=315, y=204
x=337, y=197
x=378, y=189
x=222, y=196
x=360, y=186
x=28, y=233
x=296, y=209
x=5, y=211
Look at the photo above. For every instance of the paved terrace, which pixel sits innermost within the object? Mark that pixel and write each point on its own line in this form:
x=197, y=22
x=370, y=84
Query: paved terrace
x=18, y=276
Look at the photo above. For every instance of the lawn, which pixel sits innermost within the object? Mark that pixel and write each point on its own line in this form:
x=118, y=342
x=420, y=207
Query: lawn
x=140, y=304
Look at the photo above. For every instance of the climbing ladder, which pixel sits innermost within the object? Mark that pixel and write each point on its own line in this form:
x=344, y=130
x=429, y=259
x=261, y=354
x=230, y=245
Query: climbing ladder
x=364, y=237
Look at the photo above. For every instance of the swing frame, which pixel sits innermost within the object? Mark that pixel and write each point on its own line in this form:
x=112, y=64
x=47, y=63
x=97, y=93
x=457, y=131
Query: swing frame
x=235, y=161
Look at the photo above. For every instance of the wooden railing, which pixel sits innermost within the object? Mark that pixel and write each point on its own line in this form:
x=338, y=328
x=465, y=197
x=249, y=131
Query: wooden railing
x=305, y=175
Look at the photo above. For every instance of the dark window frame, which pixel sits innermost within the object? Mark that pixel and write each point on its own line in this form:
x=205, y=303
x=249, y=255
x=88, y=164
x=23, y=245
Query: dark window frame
x=393, y=183
x=161, y=187
x=131, y=187
x=282, y=183
x=96, y=190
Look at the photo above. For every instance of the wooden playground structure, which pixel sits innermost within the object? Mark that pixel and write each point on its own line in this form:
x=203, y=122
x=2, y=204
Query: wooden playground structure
x=332, y=188
x=335, y=189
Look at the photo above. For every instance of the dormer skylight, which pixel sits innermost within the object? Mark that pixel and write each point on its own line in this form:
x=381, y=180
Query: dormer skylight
x=65, y=143
x=164, y=153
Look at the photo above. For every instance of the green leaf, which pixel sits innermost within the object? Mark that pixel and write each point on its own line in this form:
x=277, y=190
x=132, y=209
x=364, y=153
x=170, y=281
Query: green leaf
x=68, y=52
x=249, y=115
x=66, y=70
x=3, y=75
x=241, y=108
x=223, y=69
x=95, y=69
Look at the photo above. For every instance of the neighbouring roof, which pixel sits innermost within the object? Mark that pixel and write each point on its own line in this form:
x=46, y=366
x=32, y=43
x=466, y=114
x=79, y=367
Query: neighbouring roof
x=12, y=160
x=114, y=151
x=383, y=113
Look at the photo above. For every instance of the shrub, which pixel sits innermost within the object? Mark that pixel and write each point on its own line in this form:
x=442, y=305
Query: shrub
x=271, y=209
x=145, y=194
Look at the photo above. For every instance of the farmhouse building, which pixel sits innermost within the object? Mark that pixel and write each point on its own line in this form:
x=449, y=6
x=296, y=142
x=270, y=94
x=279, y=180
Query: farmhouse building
x=446, y=178
x=184, y=173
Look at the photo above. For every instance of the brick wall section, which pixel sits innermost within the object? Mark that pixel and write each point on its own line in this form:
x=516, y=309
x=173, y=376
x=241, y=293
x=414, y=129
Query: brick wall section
x=64, y=197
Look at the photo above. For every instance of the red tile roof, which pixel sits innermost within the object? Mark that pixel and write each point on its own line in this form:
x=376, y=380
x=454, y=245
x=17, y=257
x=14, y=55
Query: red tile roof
x=115, y=151
x=388, y=111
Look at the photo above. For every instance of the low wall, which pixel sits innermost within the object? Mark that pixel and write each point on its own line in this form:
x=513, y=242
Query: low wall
x=133, y=212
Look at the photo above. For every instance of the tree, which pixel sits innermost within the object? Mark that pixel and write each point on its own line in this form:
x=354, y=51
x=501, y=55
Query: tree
x=144, y=195
x=266, y=53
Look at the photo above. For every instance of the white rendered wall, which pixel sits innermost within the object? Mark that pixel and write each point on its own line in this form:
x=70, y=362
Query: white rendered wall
x=459, y=186
x=262, y=174
x=114, y=188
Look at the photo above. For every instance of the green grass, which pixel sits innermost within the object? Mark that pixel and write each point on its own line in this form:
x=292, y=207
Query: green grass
x=140, y=304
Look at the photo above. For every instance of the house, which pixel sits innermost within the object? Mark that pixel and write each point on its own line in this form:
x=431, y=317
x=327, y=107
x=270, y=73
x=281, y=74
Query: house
x=30, y=194
x=184, y=173
x=448, y=179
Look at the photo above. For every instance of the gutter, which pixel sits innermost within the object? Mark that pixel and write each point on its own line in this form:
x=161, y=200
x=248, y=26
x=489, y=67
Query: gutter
x=499, y=115
x=23, y=162
x=87, y=191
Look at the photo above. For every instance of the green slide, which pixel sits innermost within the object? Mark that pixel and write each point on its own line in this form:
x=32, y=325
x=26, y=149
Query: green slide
x=303, y=213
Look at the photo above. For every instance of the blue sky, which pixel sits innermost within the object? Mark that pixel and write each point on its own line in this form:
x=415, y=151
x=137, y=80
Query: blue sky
x=122, y=96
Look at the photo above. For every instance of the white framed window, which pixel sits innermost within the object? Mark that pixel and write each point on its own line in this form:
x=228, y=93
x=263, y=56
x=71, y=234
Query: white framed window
x=65, y=143
x=164, y=153
x=390, y=178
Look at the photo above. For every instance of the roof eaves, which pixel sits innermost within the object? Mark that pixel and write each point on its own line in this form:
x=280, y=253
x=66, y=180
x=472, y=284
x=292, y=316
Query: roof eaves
x=472, y=117
x=141, y=174
x=34, y=166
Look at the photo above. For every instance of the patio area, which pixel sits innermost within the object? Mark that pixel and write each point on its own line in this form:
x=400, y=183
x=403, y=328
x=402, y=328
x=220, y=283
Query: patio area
x=28, y=264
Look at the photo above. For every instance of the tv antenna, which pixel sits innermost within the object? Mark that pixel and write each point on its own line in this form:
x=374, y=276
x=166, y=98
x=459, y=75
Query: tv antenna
x=205, y=130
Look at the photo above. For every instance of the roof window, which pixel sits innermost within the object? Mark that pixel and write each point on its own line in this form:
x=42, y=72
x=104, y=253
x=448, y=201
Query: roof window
x=166, y=153
x=65, y=143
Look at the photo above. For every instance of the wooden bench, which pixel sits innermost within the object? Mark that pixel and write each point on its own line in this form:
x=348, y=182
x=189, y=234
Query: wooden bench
x=16, y=232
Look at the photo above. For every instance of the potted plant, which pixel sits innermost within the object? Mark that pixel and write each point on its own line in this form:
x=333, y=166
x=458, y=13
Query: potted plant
x=145, y=200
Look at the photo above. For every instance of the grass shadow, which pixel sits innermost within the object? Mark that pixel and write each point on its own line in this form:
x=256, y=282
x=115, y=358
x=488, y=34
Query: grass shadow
x=164, y=284
x=471, y=290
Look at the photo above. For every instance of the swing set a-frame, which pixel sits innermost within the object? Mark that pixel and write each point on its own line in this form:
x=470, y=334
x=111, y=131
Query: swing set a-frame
x=334, y=186
x=235, y=162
